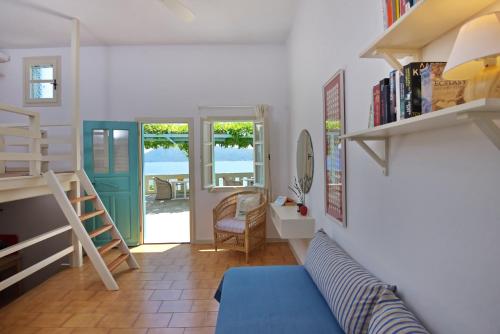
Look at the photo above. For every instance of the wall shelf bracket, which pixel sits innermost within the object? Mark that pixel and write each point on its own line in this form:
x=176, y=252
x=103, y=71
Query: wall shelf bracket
x=484, y=121
x=391, y=56
x=382, y=161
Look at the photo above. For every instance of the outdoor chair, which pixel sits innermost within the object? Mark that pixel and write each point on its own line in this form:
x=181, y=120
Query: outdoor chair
x=163, y=189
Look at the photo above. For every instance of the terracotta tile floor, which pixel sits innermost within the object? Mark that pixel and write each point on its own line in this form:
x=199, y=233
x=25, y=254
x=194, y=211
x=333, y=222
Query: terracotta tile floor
x=171, y=293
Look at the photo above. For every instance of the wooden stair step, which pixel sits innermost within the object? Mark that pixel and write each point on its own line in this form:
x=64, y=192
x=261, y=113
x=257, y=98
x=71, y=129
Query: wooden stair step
x=110, y=245
x=91, y=215
x=100, y=230
x=116, y=262
x=82, y=199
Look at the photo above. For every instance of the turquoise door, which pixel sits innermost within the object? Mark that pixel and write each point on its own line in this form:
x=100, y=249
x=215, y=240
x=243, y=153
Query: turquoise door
x=111, y=162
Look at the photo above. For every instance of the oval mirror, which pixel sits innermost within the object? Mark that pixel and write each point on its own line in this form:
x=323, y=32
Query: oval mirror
x=305, y=161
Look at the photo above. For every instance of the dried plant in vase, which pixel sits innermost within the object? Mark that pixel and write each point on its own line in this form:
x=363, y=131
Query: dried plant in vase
x=296, y=188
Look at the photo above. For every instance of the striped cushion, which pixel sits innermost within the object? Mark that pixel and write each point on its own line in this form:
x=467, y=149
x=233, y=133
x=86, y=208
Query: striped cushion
x=390, y=316
x=350, y=290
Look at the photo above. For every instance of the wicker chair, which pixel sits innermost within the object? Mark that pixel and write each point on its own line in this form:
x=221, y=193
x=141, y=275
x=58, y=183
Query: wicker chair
x=248, y=234
x=163, y=189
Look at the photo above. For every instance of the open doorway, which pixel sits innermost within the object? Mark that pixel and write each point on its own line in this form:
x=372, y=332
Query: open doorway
x=167, y=182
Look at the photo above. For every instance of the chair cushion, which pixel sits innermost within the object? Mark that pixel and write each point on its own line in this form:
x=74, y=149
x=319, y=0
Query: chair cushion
x=245, y=203
x=350, y=290
x=231, y=225
x=390, y=315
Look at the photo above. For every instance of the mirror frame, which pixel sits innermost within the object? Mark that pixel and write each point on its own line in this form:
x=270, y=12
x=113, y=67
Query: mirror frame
x=307, y=184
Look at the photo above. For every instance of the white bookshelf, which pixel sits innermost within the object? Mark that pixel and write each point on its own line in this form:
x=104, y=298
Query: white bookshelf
x=482, y=112
x=422, y=24
x=457, y=115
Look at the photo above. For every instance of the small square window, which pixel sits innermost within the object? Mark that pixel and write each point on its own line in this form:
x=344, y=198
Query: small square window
x=42, y=81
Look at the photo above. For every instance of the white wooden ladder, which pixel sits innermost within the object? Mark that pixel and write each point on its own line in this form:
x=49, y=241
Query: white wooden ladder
x=77, y=223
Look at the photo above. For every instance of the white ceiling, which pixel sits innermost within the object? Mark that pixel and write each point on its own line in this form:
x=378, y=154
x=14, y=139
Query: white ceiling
x=41, y=23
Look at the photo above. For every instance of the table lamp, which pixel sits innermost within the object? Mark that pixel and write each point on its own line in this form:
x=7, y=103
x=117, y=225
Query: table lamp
x=476, y=57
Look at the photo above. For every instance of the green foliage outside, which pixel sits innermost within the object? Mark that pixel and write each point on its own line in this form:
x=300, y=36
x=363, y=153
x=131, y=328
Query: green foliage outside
x=239, y=134
x=332, y=125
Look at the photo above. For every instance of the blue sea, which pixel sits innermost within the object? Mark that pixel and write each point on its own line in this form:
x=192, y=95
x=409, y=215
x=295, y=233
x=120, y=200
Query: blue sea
x=182, y=167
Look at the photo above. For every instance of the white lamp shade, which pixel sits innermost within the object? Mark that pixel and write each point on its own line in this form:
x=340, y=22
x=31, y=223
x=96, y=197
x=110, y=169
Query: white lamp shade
x=477, y=40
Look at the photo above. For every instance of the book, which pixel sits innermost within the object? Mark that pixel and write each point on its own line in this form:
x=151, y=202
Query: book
x=438, y=93
x=401, y=109
x=389, y=13
x=395, y=10
x=408, y=5
x=393, y=98
x=413, y=89
x=402, y=7
x=376, y=105
x=280, y=200
x=370, y=117
x=385, y=97
x=384, y=14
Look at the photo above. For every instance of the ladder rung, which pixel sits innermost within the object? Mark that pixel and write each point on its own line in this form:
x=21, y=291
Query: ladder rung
x=100, y=230
x=91, y=215
x=116, y=262
x=110, y=245
x=83, y=199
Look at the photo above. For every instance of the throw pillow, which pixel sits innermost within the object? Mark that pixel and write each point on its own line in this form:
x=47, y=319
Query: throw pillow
x=390, y=315
x=245, y=203
x=349, y=289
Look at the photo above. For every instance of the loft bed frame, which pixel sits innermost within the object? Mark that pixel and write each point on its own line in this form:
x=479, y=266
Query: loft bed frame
x=18, y=183
x=37, y=179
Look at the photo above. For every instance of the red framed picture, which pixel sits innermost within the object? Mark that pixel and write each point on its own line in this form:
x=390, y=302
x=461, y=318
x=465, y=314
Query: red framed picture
x=335, y=152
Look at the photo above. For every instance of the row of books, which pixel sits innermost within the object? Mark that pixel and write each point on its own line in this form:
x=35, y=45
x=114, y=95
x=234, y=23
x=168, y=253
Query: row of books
x=394, y=9
x=418, y=89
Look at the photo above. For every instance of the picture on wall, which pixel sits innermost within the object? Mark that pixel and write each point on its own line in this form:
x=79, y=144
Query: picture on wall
x=335, y=152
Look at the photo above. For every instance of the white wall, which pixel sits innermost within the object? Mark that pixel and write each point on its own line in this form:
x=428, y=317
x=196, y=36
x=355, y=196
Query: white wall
x=174, y=81
x=431, y=227
x=125, y=83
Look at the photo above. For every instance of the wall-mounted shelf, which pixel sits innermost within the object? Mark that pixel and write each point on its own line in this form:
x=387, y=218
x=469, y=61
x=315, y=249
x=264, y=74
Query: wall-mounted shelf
x=422, y=24
x=481, y=112
x=290, y=224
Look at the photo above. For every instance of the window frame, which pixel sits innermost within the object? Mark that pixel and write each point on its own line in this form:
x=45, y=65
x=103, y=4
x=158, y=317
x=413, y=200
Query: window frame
x=216, y=119
x=28, y=62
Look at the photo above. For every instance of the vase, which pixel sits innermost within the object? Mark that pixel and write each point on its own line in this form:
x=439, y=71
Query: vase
x=299, y=205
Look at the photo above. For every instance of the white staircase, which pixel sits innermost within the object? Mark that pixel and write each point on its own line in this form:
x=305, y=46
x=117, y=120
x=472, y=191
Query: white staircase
x=69, y=208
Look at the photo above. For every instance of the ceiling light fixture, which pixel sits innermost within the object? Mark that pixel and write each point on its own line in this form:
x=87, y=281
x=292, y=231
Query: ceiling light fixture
x=4, y=58
x=179, y=10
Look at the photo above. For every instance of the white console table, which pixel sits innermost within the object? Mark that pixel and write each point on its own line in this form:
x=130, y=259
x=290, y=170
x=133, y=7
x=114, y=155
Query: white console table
x=290, y=224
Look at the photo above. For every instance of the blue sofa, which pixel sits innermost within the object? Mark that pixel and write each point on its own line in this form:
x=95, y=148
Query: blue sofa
x=330, y=294
x=276, y=299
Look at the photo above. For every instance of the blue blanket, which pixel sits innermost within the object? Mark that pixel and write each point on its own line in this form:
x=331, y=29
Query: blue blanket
x=272, y=300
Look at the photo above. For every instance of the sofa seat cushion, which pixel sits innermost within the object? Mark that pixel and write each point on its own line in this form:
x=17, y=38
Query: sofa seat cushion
x=390, y=315
x=349, y=289
x=231, y=225
x=273, y=300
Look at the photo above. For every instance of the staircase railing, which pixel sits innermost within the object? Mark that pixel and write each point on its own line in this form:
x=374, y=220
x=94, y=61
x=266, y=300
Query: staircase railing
x=32, y=133
x=35, y=138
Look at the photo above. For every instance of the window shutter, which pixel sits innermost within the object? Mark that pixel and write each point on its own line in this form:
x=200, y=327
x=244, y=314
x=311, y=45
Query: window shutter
x=261, y=151
x=207, y=153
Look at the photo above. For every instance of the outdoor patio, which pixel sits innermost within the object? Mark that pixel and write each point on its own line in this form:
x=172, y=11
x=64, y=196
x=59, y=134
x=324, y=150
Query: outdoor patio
x=166, y=221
